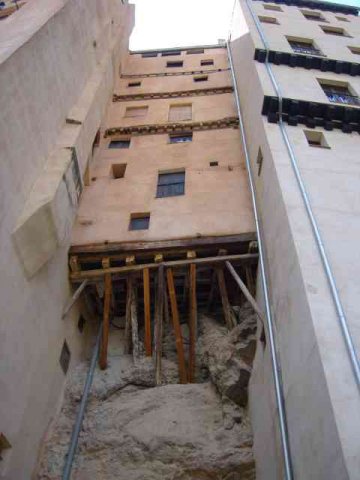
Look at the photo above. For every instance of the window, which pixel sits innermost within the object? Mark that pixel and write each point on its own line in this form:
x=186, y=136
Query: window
x=81, y=324
x=171, y=184
x=149, y=54
x=259, y=161
x=214, y=164
x=118, y=170
x=181, y=138
x=174, y=64
x=268, y=19
x=276, y=8
x=304, y=46
x=201, y=78
x=139, y=221
x=134, y=84
x=316, y=139
x=136, y=111
x=180, y=113
x=65, y=357
x=342, y=19
x=339, y=92
x=334, y=31
x=170, y=53
x=195, y=51
x=120, y=143
x=354, y=50
x=310, y=15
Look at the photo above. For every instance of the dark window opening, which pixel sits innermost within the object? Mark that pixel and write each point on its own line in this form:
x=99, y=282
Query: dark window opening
x=205, y=63
x=170, y=54
x=119, y=144
x=181, y=138
x=134, y=84
x=334, y=31
x=65, y=357
x=81, y=324
x=202, y=78
x=139, y=221
x=214, y=164
x=313, y=16
x=339, y=94
x=305, y=47
x=170, y=184
x=195, y=51
x=149, y=54
x=272, y=20
x=259, y=162
x=174, y=64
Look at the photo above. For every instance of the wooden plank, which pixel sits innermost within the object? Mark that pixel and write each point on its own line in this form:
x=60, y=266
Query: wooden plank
x=134, y=321
x=177, y=328
x=192, y=324
x=74, y=263
x=224, y=298
x=246, y=257
x=147, y=311
x=159, y=309
x=106, y=323
x=128, y=334
x=73, y=299
x=250, y=280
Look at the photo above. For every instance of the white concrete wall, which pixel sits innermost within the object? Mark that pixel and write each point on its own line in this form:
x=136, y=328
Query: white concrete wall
x=56, y=61
x=320, y=392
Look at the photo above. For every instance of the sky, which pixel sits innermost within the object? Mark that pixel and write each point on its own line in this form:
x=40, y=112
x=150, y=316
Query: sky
x=172, y=23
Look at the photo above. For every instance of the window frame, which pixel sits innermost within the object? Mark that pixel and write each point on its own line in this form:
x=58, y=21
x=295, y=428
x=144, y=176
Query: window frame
x=188, y=135
x=119, y=141
x=139, y=216
x=312, y=136
x=167, y=187
x=171, y=64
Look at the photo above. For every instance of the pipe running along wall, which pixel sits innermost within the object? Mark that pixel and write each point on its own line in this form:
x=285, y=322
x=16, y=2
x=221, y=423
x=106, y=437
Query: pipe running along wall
x=355, y=364
x=279, y=394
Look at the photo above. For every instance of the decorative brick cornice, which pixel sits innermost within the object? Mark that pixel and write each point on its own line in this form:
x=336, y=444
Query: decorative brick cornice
x=313, y=114
x=160, y=128
x=309, y=62
x=181, y=93
x=172, y=74
x=317, y=5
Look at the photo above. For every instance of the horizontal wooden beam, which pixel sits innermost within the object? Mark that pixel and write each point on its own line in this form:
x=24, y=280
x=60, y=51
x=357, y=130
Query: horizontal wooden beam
x=98, y=273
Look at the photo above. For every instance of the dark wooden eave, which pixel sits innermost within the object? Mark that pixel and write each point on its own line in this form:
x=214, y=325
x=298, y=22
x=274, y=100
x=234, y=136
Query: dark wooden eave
x=317, y=5
x=181, y=93
x=172, y=74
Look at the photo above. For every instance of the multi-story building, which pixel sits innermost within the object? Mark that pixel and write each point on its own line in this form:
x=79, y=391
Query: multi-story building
x=8, y=7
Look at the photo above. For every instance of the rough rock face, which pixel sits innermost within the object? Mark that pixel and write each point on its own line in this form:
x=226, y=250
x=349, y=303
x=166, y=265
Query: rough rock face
x=136, y=431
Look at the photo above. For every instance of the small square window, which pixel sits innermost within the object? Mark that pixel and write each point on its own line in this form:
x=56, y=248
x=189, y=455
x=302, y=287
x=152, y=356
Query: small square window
x=201, y=78
x=207, y=62
x=339, y=92
x=139, y=221
x=171, y=184
x=268, y=20
x=180, y=112
x=134, y=84
x=259, y=161
x=120, y=143
x=118, y=170
x=214, y=164
x=149, y=54
x=195, y=51
x=310, y=15
x=334, y=31
x=171, y=53
x=354, y=50
x=181, y=138
x=65, y=356
x=303, y=45
x=342, y=19
x=136, y=111
x=316, y=139
x=174, y=64
x=275, y=8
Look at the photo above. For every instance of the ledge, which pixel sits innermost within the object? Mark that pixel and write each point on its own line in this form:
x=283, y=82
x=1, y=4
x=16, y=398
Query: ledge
x=318, y=5
x=171, y=74
x=310, y=62
x=313, y=114
x=183, y=93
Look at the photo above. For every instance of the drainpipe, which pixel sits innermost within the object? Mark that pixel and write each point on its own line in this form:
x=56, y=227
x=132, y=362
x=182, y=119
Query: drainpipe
x=279, y=392
x=309, y=210
x=81, y=412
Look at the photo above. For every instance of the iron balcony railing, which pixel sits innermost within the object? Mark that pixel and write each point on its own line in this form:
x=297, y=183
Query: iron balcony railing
x=308, y=50
x=342, y=98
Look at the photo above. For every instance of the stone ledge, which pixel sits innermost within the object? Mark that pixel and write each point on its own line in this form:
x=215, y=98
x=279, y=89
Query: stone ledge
x=182, y=93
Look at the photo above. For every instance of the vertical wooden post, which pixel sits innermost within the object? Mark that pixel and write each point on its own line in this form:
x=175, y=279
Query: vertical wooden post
x=224, y=298
x=147, y=311
x=177, y=327
x=106, y=322
x=192, y=324
x=159, y=309
x=127, y=334
x=134, y=319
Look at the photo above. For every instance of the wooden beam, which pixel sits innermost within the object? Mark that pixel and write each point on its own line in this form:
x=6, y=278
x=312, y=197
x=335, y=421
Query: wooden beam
x=246, y=257
x=177, y=327
x=246, y=292
x=147, y=311
x=73, y=299
x=74, y=263
x=224, y=298
x=128, y=334
x=106, y=322
x=192, y=324
x=159, y=310
x=134, y=320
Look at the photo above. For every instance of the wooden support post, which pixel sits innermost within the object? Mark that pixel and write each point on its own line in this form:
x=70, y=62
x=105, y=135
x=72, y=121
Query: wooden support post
x=74, y=264
x=147, y=312
x=73, y=299
x=127, y=335
x=192, y=324
x=225, y=299
x=159, y=309
x=134, y=319
x=177, y=327
x=106, y=322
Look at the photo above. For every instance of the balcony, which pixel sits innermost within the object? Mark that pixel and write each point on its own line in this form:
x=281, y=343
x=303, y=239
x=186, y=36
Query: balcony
x=341, y=97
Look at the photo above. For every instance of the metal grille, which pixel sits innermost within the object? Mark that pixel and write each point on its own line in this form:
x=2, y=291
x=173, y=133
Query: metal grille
x=305, y=48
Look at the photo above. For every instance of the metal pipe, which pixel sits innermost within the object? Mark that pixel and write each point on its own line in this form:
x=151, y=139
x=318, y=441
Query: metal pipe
x=73, y=299
x=81, y=412
x=279, y=393
x=354, y=360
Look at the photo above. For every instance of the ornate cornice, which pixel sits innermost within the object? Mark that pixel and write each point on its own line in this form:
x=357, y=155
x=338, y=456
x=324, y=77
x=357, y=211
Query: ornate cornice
x=172, y=74
x=308, y=61
x=313, y=114
x=317, y=5
x=228, y=122
x=181, y=93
